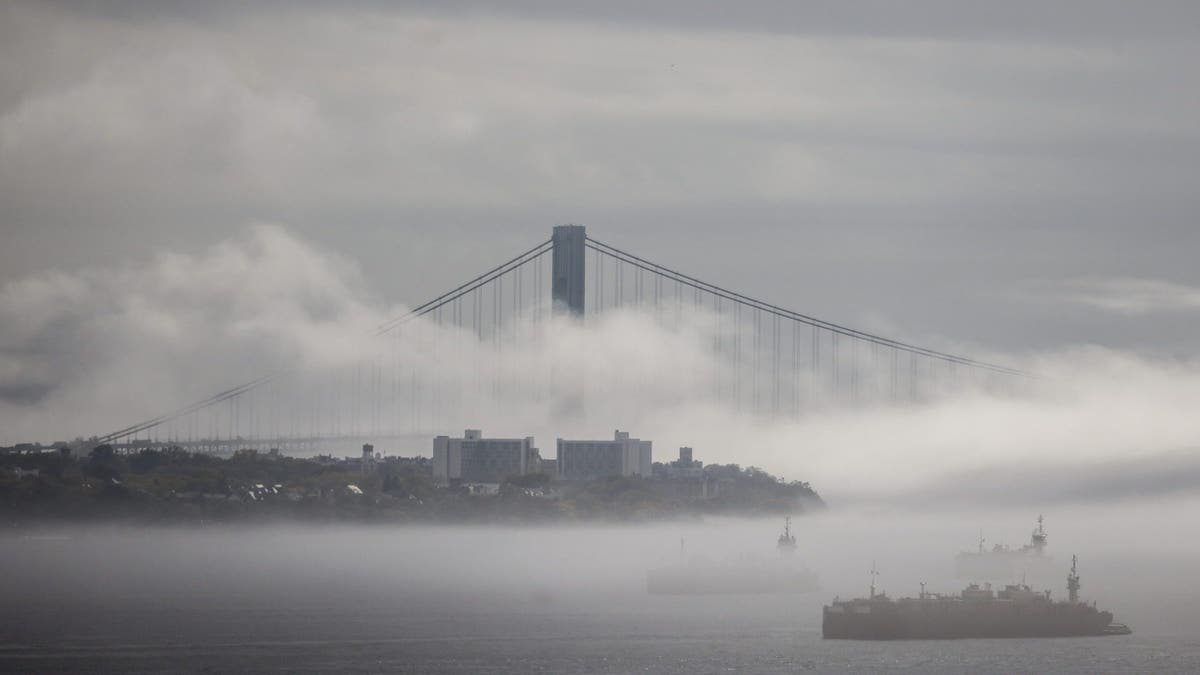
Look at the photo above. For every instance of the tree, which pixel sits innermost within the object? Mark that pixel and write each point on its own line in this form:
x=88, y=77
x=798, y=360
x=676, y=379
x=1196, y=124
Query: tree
x=103, y=463
x=145, y=461
x=529, y=480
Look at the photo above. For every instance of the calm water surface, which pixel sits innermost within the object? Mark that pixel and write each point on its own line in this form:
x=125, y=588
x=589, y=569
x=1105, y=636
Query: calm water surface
x=314, y=602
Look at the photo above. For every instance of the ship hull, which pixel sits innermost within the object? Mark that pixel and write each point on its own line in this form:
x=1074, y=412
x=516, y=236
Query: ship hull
x=891, y=623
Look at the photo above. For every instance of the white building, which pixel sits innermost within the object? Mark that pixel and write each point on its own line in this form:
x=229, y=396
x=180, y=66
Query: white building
x=475, y=459
x=685, y=467
x=587, y=460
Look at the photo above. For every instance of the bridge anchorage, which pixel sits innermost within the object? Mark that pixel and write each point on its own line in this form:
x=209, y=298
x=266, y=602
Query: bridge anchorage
x=475, y=351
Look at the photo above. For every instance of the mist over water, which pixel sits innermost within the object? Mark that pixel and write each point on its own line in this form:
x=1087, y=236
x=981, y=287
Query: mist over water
x=1102, y=443
x=566, y=598
x=194, y=196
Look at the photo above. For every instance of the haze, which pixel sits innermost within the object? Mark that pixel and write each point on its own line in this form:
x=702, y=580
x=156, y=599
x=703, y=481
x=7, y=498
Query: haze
x=195, y=195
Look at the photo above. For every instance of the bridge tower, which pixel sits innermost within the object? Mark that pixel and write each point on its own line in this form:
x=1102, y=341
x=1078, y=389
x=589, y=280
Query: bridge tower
x=568, y=269
x=567, y=291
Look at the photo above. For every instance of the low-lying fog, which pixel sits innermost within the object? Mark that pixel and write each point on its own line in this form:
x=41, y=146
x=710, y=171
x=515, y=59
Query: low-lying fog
x=88, y=351
x=1101, y=443
x=1136, y=559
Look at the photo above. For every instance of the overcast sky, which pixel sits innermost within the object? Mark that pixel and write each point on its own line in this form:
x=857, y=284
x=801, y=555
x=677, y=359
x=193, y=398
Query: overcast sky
x=1016, y=176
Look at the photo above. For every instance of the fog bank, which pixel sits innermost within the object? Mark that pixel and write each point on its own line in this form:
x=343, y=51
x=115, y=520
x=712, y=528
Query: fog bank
x=87, y=351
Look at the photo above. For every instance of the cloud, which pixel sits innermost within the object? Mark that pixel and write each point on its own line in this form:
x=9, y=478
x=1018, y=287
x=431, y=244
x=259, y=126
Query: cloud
x=93, y=350
x=902, y=161
x=79, y=348
x=310, y=107
x=901, y=167
x=1128, y=296
x=1155, y=476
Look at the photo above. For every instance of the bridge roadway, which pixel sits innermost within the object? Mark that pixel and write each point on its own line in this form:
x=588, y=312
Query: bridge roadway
x=408, y=444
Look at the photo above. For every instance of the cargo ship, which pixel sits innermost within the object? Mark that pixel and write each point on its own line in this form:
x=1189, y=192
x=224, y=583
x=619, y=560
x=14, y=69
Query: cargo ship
x=1001, y=563
x=1014, y=612
x=697, y=575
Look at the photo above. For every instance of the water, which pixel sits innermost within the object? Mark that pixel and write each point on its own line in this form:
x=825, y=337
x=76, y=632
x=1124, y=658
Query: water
x=482, y=600
x=559, y=635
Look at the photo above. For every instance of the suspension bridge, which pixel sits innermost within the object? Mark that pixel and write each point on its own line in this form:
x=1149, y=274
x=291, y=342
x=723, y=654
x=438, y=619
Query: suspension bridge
x=477, y=350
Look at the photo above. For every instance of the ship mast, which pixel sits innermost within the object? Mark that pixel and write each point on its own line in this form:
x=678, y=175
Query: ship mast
x=1038, y=540
x=874, y=573
x=1073, y=583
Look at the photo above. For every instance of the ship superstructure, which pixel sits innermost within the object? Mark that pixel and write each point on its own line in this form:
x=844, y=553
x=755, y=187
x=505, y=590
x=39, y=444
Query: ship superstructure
x=1037, y=541
x=1001, y=563
x=976, y=612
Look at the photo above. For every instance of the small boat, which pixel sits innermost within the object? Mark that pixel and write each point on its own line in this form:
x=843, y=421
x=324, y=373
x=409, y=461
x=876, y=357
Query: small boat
x=787, y=541
x=697, y=575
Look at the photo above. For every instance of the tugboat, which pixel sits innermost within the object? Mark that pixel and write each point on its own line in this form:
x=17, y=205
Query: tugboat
x=1037, y=541
x=748, y=574
x=787, y=541
x=1003, y=563
x=1014, y=612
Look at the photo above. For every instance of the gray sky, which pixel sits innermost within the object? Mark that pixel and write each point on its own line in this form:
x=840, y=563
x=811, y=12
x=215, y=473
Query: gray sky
x=1010, y=175
x=195, y=193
